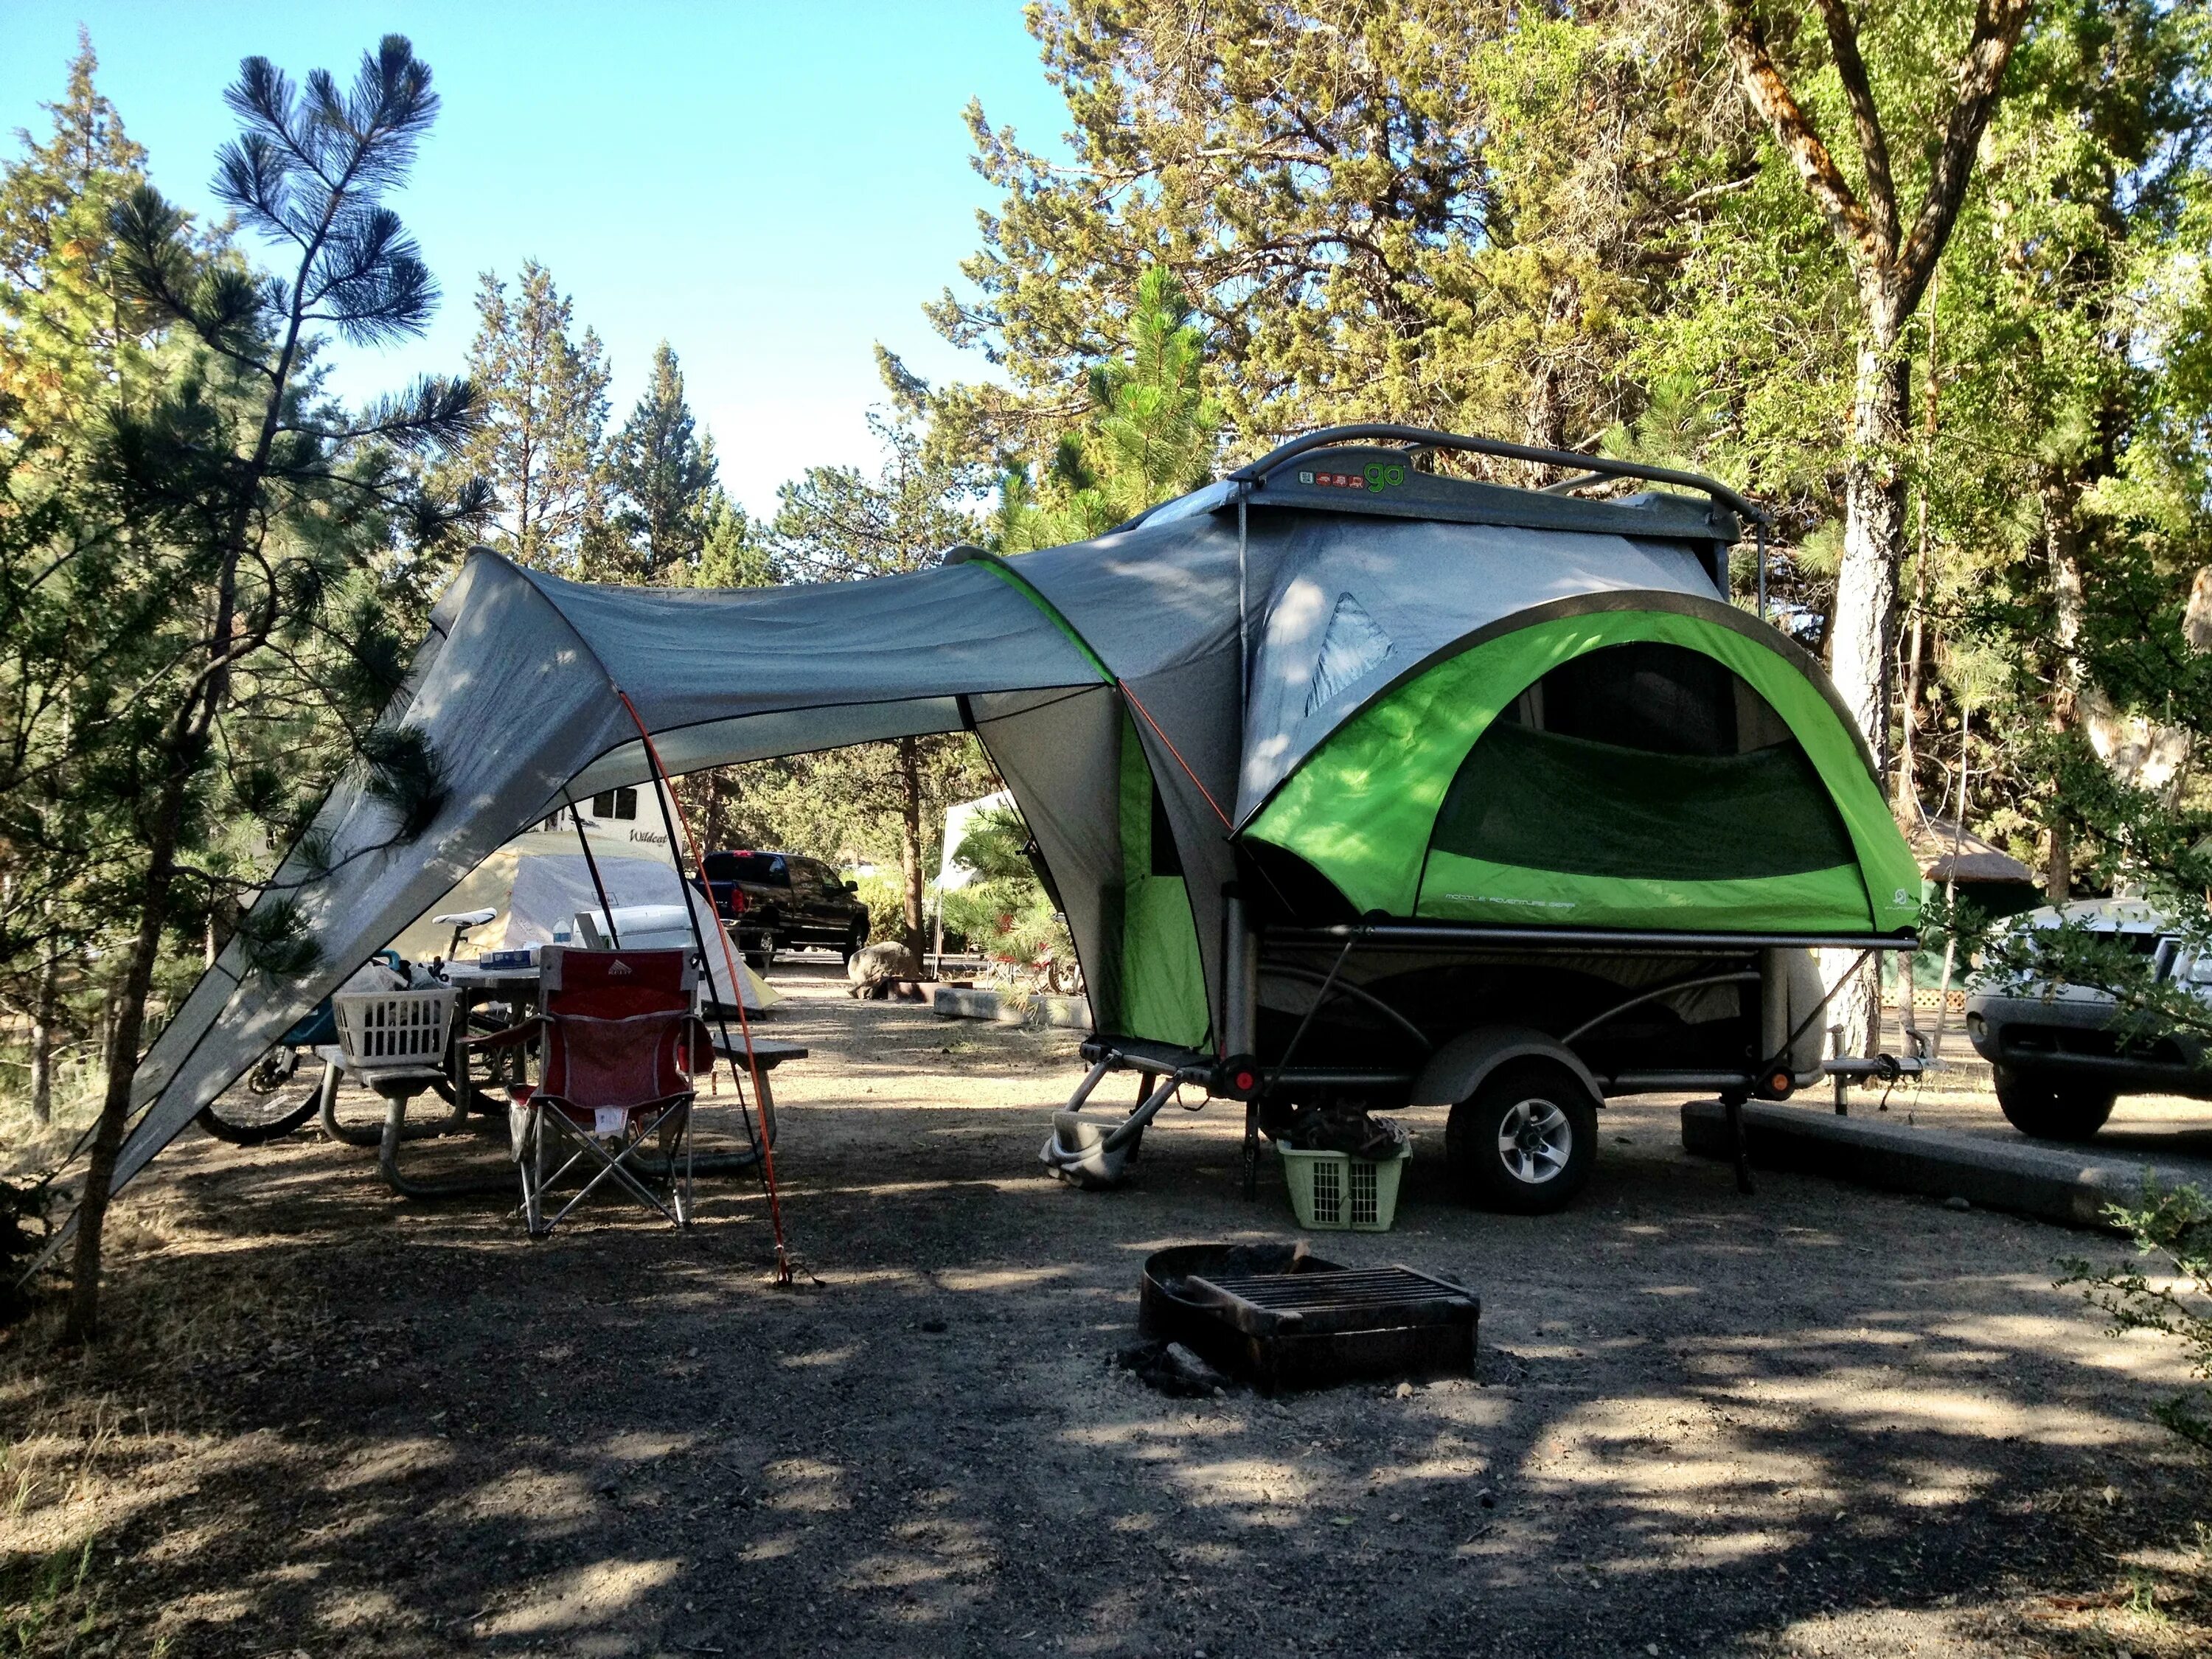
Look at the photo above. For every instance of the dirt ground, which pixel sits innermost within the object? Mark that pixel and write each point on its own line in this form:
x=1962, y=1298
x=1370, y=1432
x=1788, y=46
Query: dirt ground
x=1817, y=1421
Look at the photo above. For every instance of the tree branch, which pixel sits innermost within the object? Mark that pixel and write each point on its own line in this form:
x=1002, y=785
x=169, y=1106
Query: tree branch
x=1874, y=148
x=1770, y=96
x=1997, y=25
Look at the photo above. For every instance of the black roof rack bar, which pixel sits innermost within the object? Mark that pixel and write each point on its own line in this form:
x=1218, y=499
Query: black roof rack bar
x=1597, y=466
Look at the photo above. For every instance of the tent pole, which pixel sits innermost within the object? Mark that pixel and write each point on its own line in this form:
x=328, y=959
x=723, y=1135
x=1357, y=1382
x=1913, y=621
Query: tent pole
x=592, y=865
x=665, y=792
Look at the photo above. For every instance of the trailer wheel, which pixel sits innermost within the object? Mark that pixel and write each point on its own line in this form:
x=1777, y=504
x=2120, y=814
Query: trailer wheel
x=1523, y=1142
x=2052, y=1111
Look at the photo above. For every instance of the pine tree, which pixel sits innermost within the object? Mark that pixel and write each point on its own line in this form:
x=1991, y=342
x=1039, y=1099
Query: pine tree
x=733, y=553
x=663, y=472
x=71, y=342
x=1151, y=434
x=541, y=446
x=71, y=345
x=1431, y=211
x=204, y=631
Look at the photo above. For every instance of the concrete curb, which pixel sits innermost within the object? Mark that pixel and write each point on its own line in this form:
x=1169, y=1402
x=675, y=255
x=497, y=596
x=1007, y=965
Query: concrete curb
x=2071, y=1186
x=963, y=1002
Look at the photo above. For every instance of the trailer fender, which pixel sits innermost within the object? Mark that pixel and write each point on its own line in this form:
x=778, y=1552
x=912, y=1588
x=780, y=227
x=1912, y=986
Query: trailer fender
x=1457, y=1069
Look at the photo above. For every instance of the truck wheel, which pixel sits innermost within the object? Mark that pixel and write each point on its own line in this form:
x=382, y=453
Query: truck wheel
x=855, y=936
x=2052, y=1111
x=1524, y=1141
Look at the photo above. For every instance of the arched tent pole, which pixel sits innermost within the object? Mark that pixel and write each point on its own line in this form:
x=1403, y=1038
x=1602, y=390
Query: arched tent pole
x=665, y=790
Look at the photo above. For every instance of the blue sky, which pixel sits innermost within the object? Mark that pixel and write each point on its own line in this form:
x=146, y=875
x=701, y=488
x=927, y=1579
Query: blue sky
x=772, y=187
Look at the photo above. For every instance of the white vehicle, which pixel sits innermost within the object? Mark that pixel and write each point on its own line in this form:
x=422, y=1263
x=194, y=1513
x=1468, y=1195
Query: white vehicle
x=2059, y=1066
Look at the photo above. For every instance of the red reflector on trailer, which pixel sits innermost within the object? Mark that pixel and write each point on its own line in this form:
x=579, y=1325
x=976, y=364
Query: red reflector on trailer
x=1245, y=1080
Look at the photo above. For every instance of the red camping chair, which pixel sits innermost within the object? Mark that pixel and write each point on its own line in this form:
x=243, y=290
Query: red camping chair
x=618, y=1047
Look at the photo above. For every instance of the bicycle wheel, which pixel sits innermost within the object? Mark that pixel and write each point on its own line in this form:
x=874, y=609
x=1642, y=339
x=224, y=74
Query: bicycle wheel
x=257, y=1117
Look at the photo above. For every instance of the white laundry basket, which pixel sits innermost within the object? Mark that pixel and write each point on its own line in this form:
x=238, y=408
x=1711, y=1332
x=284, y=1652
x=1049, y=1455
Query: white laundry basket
x=382, y=1033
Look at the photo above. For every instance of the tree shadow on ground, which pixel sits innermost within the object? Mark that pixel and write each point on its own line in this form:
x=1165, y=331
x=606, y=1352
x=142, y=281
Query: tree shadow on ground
x=337, y=1423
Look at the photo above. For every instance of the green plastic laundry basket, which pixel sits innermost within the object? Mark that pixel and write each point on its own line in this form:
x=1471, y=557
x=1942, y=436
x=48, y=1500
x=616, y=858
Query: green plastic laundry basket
x=1335, y=1192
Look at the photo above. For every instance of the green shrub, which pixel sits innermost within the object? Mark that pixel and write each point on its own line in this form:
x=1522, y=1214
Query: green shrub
x=1004, y=913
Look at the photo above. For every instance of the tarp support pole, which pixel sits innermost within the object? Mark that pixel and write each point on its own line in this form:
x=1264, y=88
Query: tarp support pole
x=665, y=792
x=1773, y=1003
x=1239, y=974
x=592, y=865
x=1240, y=993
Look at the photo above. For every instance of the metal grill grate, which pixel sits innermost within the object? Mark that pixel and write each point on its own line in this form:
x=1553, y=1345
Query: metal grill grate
x=1386, y=1296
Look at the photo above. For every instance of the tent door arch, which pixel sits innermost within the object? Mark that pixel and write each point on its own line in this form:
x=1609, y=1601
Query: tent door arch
x=1687, y=775
x=1634, y=781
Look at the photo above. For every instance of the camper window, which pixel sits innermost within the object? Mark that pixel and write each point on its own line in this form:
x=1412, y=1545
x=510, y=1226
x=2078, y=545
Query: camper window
x=615, y=803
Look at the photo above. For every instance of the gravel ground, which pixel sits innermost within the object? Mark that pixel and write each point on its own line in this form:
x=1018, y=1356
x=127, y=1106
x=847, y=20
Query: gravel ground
x=1818, y=1421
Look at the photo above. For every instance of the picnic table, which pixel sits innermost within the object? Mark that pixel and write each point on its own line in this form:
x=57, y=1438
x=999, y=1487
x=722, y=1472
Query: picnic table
x=519, y=989
x=767, y=1054
x=473, y=988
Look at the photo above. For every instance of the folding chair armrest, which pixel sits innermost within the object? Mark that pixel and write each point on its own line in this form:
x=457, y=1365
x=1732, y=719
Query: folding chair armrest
x=507, y=1038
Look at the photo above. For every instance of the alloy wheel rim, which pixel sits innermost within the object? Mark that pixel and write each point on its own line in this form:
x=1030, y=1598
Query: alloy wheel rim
x=1534, y=1141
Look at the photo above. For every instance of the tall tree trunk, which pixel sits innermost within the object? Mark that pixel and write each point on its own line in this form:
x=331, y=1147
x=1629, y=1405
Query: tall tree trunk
x=1864, y=633
x=44, y=1007
x=910, y=771
x=2062, y=547
x=1544, y=425
x=83, y=1321
x=1906, y=798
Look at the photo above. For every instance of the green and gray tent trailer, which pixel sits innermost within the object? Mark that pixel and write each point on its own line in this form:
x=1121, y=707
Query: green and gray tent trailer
x=1427, y=791
x=1359, y=784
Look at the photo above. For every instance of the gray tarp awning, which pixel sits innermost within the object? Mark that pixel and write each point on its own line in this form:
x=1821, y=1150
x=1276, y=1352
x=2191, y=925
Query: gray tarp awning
x=515, y=691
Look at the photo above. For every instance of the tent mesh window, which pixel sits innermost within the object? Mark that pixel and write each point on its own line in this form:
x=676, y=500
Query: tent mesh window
x=1647, y=761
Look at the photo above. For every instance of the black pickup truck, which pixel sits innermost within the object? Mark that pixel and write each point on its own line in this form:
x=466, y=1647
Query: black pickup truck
x=776, y=900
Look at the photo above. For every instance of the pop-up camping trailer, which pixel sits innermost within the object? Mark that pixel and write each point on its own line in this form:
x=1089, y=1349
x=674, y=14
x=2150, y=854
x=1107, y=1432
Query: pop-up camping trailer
x=1359, y=784
x=1520, y=811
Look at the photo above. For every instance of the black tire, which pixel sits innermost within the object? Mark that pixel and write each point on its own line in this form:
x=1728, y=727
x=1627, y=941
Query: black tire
x=1544, y=1109
x=2050, y=1110
x=856, y=936
x=262, y=1116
